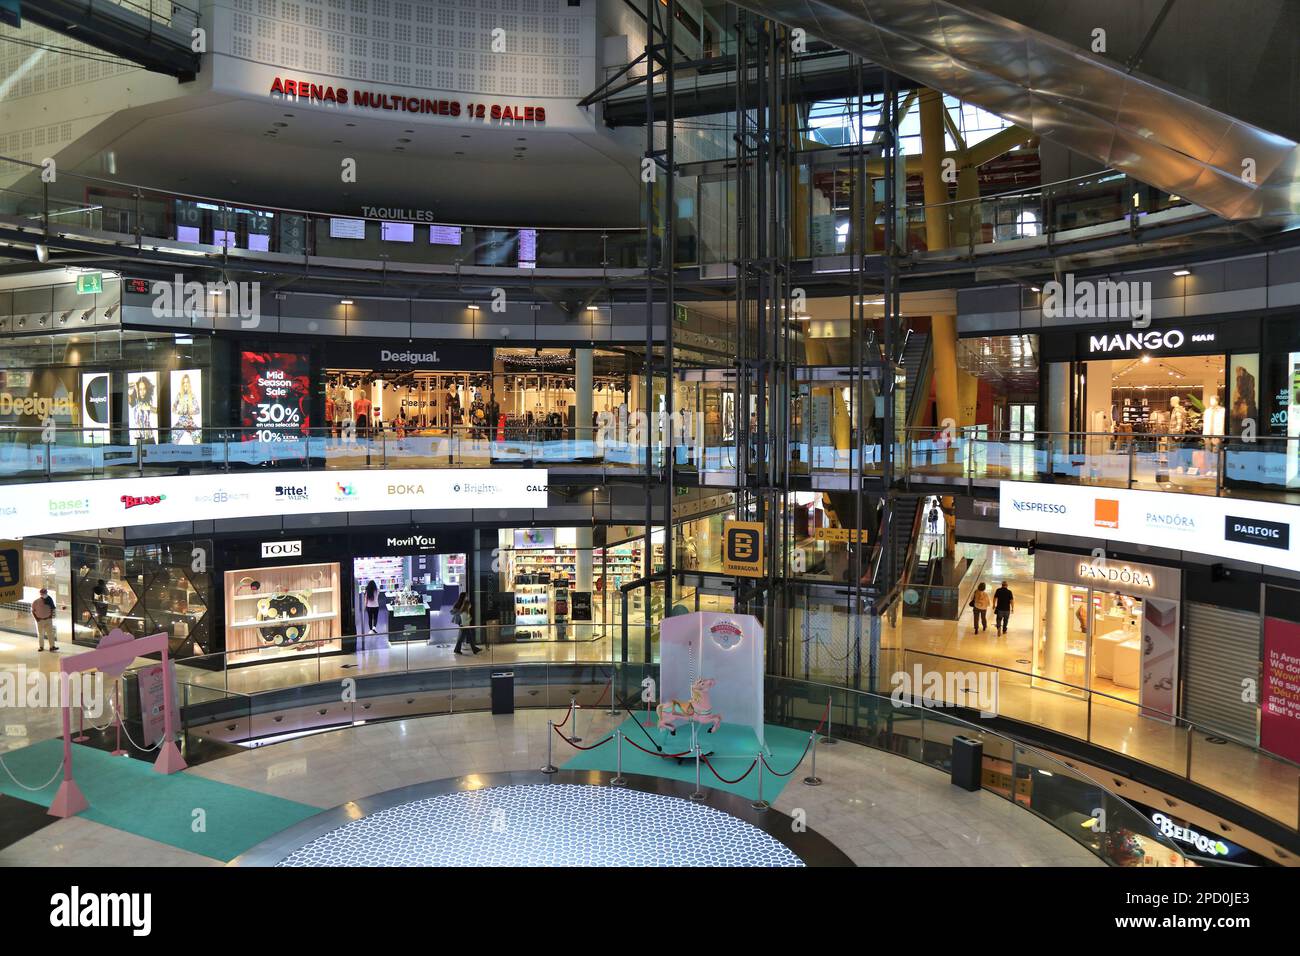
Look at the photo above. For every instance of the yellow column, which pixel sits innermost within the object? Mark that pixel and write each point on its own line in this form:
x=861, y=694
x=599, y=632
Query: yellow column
x=943, y=328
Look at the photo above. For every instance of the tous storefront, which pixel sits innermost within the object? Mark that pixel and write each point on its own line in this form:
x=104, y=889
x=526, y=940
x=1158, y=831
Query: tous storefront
x=1109, y=627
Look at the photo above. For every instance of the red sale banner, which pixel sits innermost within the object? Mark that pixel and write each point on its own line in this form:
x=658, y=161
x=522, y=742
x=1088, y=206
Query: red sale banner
x=1279, y=728
x=274, y=390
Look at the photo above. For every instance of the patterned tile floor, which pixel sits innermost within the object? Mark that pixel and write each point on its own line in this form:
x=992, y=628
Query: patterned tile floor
x=546, y=825
x=880, y=809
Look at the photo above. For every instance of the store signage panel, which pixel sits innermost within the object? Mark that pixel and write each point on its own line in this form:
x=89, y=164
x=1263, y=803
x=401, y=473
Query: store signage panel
x=406, y=356
x=282, y=88
x=742, y=548
x=282, y=549
x=1279, y=716
x=11, y=571
x=58, y=507
x=1253, y=531
x=1130, y=577
x=274, y=390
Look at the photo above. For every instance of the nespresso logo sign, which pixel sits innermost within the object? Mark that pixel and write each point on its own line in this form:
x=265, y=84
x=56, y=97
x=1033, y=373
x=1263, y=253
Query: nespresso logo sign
x=1268, y=534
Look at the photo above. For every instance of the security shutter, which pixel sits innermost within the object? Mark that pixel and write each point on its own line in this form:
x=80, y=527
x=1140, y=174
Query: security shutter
x=1221, y=649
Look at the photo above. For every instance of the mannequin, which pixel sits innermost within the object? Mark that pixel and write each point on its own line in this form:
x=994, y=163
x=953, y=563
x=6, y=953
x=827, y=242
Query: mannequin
x=1177, y=416
x=1212, y=423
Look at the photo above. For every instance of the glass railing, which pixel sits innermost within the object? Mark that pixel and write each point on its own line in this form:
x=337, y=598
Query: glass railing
x=26, y=456
x=75, y=204
x=1207, y=757
x=1101, y=822
x=1196, y=464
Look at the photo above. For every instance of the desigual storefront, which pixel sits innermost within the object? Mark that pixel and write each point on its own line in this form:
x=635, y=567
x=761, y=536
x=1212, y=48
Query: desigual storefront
x=1110, y=627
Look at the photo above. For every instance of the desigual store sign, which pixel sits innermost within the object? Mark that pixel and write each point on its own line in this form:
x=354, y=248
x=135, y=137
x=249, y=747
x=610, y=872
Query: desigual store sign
x=56, y=507
x=1253, y=531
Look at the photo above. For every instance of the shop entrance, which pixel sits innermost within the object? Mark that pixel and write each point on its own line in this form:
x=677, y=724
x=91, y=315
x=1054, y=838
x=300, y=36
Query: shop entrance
x=1087, y=639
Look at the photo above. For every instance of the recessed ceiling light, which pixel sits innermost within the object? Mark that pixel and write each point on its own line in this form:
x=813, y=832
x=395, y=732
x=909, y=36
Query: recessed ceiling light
x=473, y=306
x=278, y=123
x=403, y=139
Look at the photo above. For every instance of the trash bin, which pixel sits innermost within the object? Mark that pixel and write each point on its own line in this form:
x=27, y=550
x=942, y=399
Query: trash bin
x=503, y=692
x=967, y=762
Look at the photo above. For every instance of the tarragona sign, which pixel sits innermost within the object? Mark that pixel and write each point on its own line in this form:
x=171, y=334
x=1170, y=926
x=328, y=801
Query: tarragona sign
x=401, y=103
x=64, y=506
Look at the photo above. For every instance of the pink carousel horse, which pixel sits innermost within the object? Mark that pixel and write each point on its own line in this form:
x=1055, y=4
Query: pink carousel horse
x=697, y=709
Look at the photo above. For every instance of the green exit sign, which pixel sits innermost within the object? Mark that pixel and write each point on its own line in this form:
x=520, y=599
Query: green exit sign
x=90, y=284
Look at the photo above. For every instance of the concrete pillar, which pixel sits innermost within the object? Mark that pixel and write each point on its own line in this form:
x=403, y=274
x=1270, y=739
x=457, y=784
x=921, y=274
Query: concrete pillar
x=583, y=389
x=1057, y=620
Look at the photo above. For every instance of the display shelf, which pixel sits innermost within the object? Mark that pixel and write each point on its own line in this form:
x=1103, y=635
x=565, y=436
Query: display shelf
x=270, y=622
x=321, y=625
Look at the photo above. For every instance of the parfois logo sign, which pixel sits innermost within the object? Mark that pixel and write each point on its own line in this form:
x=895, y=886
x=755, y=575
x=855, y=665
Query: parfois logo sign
x=1267, y=534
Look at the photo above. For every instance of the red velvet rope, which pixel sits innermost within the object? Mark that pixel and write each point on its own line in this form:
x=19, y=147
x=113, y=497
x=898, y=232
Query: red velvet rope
x=826, y=713
x=567, y=714
x=724, y=779
x=629, y=740
x=579, y=746
x=797, y=762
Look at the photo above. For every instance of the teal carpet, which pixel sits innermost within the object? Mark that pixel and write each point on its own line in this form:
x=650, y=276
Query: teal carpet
x=126, y=794
x=732, y=748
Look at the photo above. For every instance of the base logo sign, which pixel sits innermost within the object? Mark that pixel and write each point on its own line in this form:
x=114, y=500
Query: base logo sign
x=742, y=548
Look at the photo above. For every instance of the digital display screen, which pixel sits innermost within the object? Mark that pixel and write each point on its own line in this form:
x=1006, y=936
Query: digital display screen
x=223, y=237
x=528, y=247
x=397, y=231
x=259, y=243
x=274, y=395
x=187, y=233
x=347, y=229
x=445, y=235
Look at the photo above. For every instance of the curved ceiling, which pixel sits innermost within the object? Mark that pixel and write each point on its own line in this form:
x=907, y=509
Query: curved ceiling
x=1088, y=104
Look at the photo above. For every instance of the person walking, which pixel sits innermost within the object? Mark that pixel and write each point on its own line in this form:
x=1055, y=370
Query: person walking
x=1004, y=602
x=980, y=602
x=372, y=606
x=934, y=516
x=43, y=614
x=464, y=619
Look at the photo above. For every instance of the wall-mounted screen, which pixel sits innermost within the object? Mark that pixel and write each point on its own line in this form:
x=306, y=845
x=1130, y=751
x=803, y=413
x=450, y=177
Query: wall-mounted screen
x=397, y=231
x=142, y=406
x=445, y=235
x=347, y=229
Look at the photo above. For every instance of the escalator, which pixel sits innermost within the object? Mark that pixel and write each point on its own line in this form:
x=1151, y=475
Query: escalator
x=917, y=364
x=1096, y=107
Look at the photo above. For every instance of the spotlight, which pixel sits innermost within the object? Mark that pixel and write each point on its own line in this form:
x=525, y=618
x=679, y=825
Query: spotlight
x=42, y=252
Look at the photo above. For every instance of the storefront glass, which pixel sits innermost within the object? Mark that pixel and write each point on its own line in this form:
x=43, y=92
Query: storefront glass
x=46, y=564
x=278, y=611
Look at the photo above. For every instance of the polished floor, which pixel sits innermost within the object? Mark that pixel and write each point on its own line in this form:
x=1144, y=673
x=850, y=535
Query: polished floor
x=880, y=809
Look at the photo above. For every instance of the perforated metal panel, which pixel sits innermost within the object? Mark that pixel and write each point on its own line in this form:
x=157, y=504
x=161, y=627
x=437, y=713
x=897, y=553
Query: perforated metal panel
x=1221, y=650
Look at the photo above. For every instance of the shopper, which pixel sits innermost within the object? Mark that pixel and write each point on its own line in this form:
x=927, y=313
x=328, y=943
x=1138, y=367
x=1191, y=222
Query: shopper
x=1004, y=602
x=43, y=614
x=464, y=619
x=100, y=600
x=934, y=516
x=980, y=602
x=372, y=607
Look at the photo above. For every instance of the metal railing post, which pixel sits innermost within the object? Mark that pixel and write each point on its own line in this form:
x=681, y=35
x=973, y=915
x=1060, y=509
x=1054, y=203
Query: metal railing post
x=760, y=803
x=550, y=736
x=812, y=780
x=573, y=710
x=698, y=793
x=618, y=779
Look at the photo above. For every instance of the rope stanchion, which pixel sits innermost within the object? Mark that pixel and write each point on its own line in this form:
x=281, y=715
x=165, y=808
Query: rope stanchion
x=812, y=780
x=550, y=765
x=698, y=793
x=567, y=714
x=573, y=737
x=131, y=740
x=760, y=803
x=714, y=770
x=618, y=780
x=828, y=739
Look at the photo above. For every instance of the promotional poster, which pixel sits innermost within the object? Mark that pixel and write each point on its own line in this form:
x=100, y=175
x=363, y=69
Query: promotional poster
x=187, y=406
x=273, y=396
x=96, y=407
x=1279, y=719
x=142, y=406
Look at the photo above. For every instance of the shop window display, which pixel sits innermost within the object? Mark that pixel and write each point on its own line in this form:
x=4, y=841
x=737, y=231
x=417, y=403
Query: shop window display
x=280, y=611
x=414, y=594
x=45, y=565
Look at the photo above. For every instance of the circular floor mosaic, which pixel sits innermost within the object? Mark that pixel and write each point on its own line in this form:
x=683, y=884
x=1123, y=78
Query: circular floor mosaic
x=546, y=825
